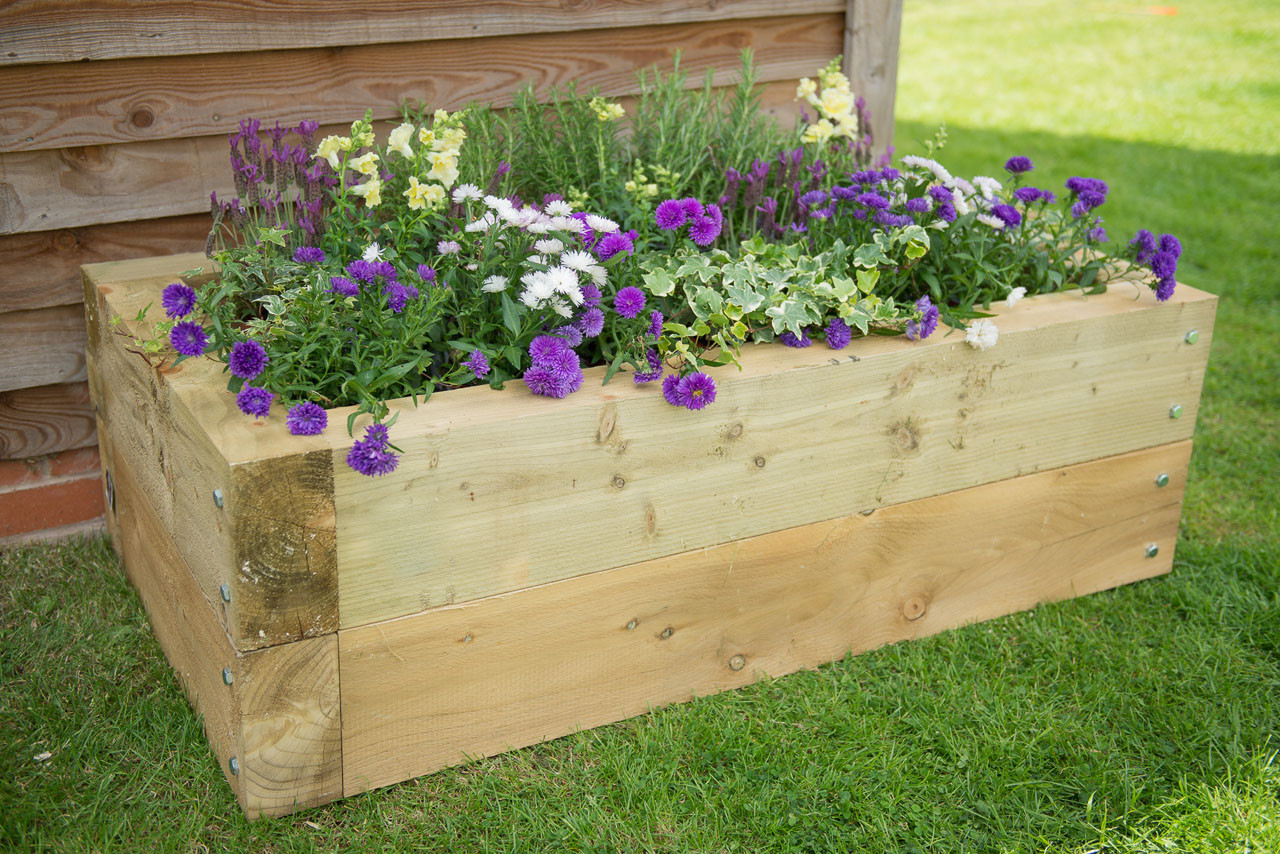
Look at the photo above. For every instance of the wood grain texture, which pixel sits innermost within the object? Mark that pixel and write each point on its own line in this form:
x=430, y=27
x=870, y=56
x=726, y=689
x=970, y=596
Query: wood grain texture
x=189, y=96
x=42, y=269
x=45, y=420
x=41, y=347
x=291, y=727
x=428, y=691
x=40, y=31
x=69, y=187
x=871, y=35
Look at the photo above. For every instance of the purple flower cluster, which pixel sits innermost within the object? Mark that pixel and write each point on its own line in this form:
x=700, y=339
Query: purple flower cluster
x=188, y=338
x=838, y=334
x=1031, y=195
x=397, y=293
x=705, y=222
x=1089, y=193
x=629, y=302
x=928, y=322
x=654, y=372
x=590, y=320
x=178, y=299
x=1007, y=214
x=247, y=359
x=615, y=243
x=276, y=182
x=478, y=364
x=945, y=199
x=790, y=339
x=308, y=255
x=1018, y=165
x=556, y=371
x=1161, y=256
x=372, y=456
x=254, y=401
x=655, y=324
x=306, y=419
x=343, y=287
x=692, y=391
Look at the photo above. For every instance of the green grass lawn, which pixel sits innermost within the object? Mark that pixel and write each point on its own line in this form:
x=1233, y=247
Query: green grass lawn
x=1142, y=719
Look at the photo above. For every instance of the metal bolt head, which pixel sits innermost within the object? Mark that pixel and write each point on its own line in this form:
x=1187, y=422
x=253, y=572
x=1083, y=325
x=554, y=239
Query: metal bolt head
x=234, y=765
x=631, y=624
x=1193, y=336
x=226, y=592
x=737, y=662
x=1162, y=479
x=227, y=676
x=217, y=497
x=1175, y=411
x=1153, y=550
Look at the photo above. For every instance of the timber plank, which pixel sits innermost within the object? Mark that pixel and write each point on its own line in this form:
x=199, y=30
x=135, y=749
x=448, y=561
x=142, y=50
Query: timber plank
x=178, y=97
x=40, y=347
x=45, y=420
x=70, y=187
x=45, y=31
x=871, y=34
x=42, y=269
x=432, y=690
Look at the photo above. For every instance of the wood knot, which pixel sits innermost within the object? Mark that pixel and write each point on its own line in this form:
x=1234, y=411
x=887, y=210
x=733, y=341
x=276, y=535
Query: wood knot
x=619, y=481
x=667, y=632
x=737, y=662
x=914, y=608
x=904, y=435
x=632, y=623
x=142, y=118
x=650, y=518
x=759, y=461
x=608, y=420
x=735, y=431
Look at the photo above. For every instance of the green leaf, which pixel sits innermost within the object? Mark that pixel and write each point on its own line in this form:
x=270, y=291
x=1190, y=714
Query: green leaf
x=791, y=316
x=867, y=280
x=511, y=315
x=659, y=283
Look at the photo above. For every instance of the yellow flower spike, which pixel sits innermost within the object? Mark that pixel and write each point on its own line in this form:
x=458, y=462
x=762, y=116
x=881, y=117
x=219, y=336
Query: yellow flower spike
x=444, y=167
x=441, y=117
x=834, y=103
x=819, y=132
x=370, y=191
x=806, y=90
x=361, y=133
x=331, y=148
x=365, y=164
x=426, y=136
x=606, y=111
x=398, y=141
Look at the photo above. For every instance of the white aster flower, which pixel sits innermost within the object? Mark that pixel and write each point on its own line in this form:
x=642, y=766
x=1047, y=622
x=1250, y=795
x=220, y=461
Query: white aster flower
x=372, y=252
x=601, y=225
x=565, y=281
x=961, y=206
x=932, y=166
x=561, y=308
x=484, y=223
x=466, y=192
x=981, y=334
x=539, y=284
x=549, y=246
x=529, y=299
x=993, y=221
x=567, y=223
x=987, y=186
x=540, y=260
x=1014, y=296
x=448, y=247
x=494, y=284
x=537, y=227
x=498, y=203
x=598, y=275
x=472, y=267
x=576, y=259
x=559, y=207
x=965, y=188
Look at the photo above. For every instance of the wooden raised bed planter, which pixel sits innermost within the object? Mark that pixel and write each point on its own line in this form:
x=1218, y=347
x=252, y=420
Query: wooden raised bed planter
x=538, y=566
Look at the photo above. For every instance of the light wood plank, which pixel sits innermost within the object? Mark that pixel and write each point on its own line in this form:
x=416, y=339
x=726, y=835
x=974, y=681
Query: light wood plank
x=871, y=35
x=151, y=99
x=40, y=31
x=46, y=420
x=428, y=691
x=41, y=347
x=42, y=269
x=64, y=188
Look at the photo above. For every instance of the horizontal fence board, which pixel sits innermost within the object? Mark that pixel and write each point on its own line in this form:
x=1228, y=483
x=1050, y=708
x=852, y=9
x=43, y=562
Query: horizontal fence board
x=46, y=31
x=179, y=97
x=42, y=347
x=439, y=688
x=69, y=187
x=41, y=269
x=45, y=420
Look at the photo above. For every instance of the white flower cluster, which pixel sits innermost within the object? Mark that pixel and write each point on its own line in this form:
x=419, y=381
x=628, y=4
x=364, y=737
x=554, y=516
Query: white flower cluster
x=965, y=196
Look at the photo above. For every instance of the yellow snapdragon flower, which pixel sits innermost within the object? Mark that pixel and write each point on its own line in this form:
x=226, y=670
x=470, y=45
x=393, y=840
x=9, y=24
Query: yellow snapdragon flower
x=427, y=136
x=808, y=90
x=819, y=132
x=834, y=103
x=361, y=133
x=444, y=167
x=606, y=111
x=370, y=191
x=847, y=126
x=365, y=164
x=420, y=195
x=450, y=140
x=331, y=148
x=398, y=141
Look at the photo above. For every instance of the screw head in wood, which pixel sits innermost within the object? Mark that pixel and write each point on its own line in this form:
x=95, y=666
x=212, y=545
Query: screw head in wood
x=234, y=765
x=1162, y=479
x=225, y=589
x=217, y=497
x=1175, y=411
x=631, y=624
x=1193, y=336
x=737, y=662
x=1153, y=550
x=227, y=676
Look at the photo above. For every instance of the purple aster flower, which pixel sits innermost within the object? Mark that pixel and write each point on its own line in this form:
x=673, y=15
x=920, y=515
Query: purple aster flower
x=917, y=206
x=308, y=255
x=254, y=401
x=370, y=456
x=1164, y=265
x=361, y=270
x=1091, y=199
x=629, y=302
x=1171, y=244
x=570, y=333
x=792, y=340
x=1018, y=165
x=813, y=198
x=692, y=207
x=342, y=286
x=590, y=295
x=478, y=364
x=1146, y=243
x=612, y=244
x=426, y=273
x=947, y=212
x=379, y=434
x=178, y=300
x=888, y=173
x=1097, y=234
x=655, y=324
x=873, y=200
x=398, y=295
x=670, y=215
x=941, y=194
x=893, y=220
x=247, y=359
x=838, y=334
x=655, y=369
x=696, y=391
x=1007, y=214
x=547, y=381
x=1079, y=185
x=704, y=230
x=1165, y=287
x=928, y=322
x=844, y=194
x=866, y=176
x=546, y=348
x=188, y=338
x=671, y=389
x=591, y=322
x=306, y=419
x=1028, y=195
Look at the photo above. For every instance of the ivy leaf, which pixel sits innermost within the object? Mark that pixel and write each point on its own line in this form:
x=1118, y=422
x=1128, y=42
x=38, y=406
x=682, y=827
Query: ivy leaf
x=659, y=283
x=699, y=266
x=867, y=280
x=870, y=255
x=791, y=316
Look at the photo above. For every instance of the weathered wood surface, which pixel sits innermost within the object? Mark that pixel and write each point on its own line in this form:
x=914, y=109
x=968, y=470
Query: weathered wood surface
x=45, y=420
x=48, y=31
x=42, y=269
x=141, y=99
x=871, y=30
x=431, y=690
x=41, y=347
